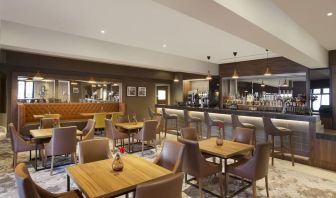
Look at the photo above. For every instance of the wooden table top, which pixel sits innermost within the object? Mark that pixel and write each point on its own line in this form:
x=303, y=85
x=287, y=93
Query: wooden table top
x=97, y=179
x=40, y=116
x=130, y=126
x=227, y=150
x=107, y=113
x=46, y=133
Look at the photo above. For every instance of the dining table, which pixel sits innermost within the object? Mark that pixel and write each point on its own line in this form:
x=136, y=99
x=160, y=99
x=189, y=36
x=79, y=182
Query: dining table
x=38, y=135
x=107, y=113
x=227, y=150
x=98, y=179
x=130, y=127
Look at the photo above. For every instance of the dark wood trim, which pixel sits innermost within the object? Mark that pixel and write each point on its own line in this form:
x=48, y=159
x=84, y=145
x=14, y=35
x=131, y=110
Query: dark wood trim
x=332, y=66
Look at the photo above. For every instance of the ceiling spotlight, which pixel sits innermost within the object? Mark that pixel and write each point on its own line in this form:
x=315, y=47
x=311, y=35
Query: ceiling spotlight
x=330, y=14
x=164, y=45
x=102, y=31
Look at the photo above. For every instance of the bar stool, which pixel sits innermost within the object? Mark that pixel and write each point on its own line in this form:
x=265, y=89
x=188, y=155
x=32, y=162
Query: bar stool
x=152, y=113
x=188, y=120
x=168, y=117
x=236, y=123
x=282, y=132
x=209, y=122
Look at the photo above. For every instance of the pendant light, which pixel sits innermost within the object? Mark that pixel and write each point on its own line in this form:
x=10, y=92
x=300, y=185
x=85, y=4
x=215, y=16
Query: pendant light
x=176, y=78
x=38, y=76
x=208, y=77
x=268, y=70
x=262, y=83
x=285, y=83
x=235, y=73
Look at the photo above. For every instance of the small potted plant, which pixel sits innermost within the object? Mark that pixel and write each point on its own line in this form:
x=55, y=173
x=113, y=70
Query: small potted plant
x=117, y=164
x=219, y=140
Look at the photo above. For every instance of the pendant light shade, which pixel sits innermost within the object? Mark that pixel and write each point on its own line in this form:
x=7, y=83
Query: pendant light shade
x=262, y=84
x=176, y=78
x=268, y=70
x=38, y=76
x=235, y=73
x=208, y=77
x=285, y=83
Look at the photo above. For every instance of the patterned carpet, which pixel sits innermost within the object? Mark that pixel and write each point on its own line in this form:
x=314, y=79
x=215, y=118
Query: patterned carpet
x=284, y=180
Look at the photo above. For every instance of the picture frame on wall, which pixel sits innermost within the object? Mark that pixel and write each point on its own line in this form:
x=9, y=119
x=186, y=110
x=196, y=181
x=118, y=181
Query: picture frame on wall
x=75, y=90
x=131, y=91
x=142, y=91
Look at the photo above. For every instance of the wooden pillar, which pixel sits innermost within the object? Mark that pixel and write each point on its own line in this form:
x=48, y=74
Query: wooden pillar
x=332, y=66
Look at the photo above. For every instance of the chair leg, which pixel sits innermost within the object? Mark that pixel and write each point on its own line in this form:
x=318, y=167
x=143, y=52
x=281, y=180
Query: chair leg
x=254, y=189
x=30, y=155
x=142, y=147
x=200, y=187
x=209, y=131
x=292, y=149
x=155, y=144
x=166, y=121
x=266, y=185
x=15, y=159
x=281, y=147
x=177, y=134
x=221, y=184
x=52, y=164
x=272, y=150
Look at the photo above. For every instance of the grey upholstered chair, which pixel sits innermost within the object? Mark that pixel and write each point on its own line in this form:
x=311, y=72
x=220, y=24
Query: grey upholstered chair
x=236, y=123
x=94, y=150
x=188, y=120
x=209, y=122
x=89, y=130
x=147, y=133
x=113, y=133
x=46, y=123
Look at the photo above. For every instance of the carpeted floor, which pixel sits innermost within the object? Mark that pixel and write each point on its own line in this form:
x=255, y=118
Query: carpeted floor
x=284, y=180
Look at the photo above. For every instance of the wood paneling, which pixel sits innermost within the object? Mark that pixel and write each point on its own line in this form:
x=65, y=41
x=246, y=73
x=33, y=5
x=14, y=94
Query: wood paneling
x=323, y=155
x=332, y=66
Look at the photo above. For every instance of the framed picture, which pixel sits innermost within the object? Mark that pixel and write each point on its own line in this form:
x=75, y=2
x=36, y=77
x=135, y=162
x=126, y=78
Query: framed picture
x=142, y=91
x=75, y=90
x=131, y=91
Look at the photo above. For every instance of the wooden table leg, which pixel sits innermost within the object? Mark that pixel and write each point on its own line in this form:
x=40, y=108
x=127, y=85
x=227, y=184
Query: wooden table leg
x=68, y=183
x=36, y=146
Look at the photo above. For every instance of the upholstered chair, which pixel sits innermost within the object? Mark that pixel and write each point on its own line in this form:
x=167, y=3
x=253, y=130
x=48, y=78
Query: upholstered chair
x=196, y=165
x=47, y=123
x=100, y=120
x=209, y=122
x=189, y=133
x=244, y=136
x=19, y=144
x=94, y=150
x=27, y=188
x=63, y=141
x=152, y=113
x=88, y=131
x=147, y=133
x=274, y=131
x=113, y=133
x=171, y=156
x=168, y=116
x=188, y=120
x=166, y=187
x=159, y=127
x=254, y=169
x=236, y=123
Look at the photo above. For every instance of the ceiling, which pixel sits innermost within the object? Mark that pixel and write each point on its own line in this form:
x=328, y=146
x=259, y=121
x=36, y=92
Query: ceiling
x=312, y=16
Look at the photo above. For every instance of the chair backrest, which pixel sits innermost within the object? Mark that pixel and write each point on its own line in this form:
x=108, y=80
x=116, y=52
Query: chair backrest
x=207, y=119
x=16, y=139
x=235, y=121
x=167, y=187
x=171, y=156
x=189, y=133
x=89, y=130
x=149, y=130
x=110, y=129
x=191, y=157
x=243, y=135
x=257, y=166
x=186, y=117
x=55, y=116
x=25, y=185
x=150, y=113
x=269, y=126
x=159, y=125
x=100, y=120
x=63, y=140
x=94, y=150
x=46, y=123
x=164, y=113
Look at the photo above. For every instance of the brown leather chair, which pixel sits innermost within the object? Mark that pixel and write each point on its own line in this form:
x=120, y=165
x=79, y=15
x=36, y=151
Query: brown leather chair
x=209, y=122
x=147, y=133
x=188, y=120
x=28, y=189
x=167, y=187
x=273, y=131
x=94, y=150
x=244, y=136
x=236, y=123
x=152, y=113
x=113, y=133
x=196, y=165
x=166, y=116
x=89, y=130
x=254, y=169
x=47, y=123
x=19, y=144
x=171, y=156
x=189, y=133
x=159, y=127
x=63, y=141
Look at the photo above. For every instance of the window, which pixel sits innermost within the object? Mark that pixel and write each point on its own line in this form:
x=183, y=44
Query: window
x=322, y=98
x=25, y=89
x=161, y=94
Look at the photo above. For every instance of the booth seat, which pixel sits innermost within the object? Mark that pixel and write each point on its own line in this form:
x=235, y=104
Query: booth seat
x=70, y=113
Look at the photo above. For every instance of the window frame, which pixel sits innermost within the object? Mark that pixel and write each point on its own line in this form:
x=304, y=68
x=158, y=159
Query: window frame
x=319, y=94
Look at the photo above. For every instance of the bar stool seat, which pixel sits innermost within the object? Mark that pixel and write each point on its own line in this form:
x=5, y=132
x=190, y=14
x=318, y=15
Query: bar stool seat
x=248, y=125
x=236, y=123
x=166, y=116
x=188, y=119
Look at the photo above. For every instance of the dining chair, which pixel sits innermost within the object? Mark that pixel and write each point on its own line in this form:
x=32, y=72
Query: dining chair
x=254, y=169
x=236, y=123
x=152, y=113
x=19, y=144
x=94, y=150
x=189, y=133
x=46, y=123
x=274, y=131
x=113, y=133
x=166, y=187
x=100, y=121
x=188, y=120
x=63, y=142
x=27, y=188
x=159, y=127
x=244, y=136
x=196, y=165
x=209, y=122
x=147, y=133
x=171, y=156
x=89, y=129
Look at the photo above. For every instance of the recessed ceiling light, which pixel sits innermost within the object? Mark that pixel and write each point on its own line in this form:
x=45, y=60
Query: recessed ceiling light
x=102, y=31
x=329, y=14
x=164, y=45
